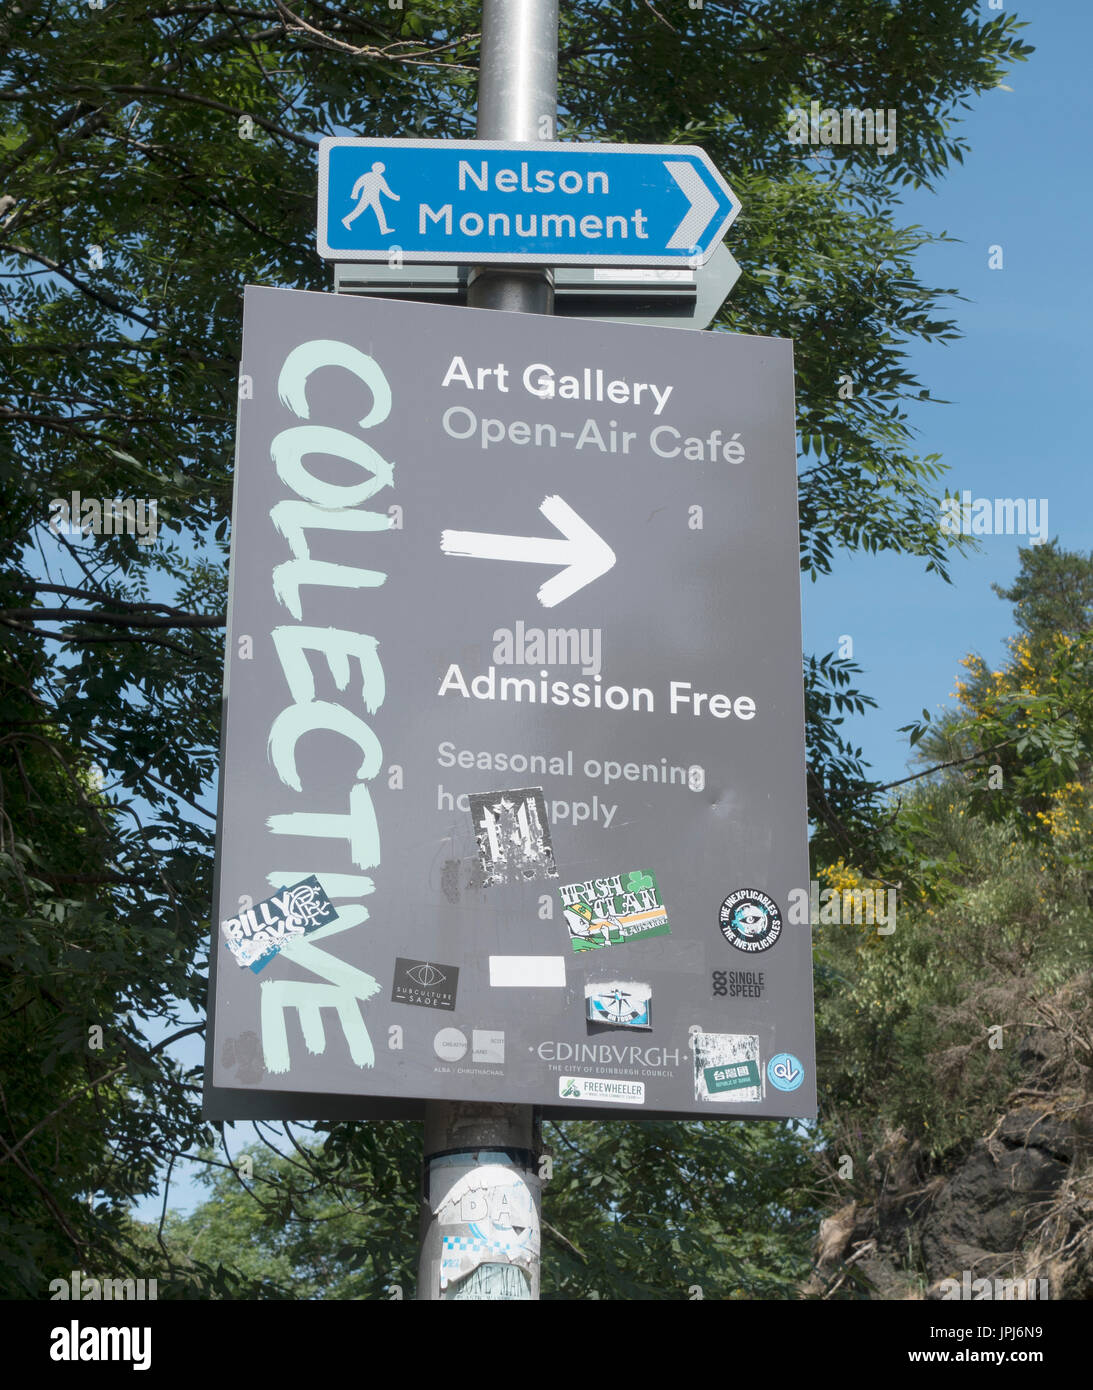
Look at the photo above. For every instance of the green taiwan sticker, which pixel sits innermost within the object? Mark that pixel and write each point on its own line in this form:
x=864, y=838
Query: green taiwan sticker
x=613, y=910
x=731, y=1076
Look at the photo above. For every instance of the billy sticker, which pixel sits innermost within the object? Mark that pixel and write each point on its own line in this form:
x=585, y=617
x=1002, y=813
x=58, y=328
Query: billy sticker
x=727, y=1067
x=613, y=910
x=618, y=1004
x=256, y=935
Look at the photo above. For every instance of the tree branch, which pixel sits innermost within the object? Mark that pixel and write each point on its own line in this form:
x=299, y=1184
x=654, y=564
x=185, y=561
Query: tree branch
x=102, y=619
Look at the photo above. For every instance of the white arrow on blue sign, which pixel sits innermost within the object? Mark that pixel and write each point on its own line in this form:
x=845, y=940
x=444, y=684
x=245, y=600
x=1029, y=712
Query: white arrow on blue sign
x=483, y=201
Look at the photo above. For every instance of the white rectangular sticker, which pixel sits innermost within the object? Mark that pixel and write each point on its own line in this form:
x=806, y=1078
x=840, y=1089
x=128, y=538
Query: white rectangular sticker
x=536, y=972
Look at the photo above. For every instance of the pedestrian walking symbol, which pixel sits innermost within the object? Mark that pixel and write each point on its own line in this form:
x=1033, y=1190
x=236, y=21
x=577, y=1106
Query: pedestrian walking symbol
x=370, y=189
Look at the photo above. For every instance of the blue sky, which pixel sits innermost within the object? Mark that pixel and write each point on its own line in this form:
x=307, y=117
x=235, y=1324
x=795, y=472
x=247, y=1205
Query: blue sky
x=1018, y=380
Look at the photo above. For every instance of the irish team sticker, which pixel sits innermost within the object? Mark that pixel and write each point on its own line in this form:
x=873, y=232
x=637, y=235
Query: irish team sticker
x=612, y=910
x=750, y=920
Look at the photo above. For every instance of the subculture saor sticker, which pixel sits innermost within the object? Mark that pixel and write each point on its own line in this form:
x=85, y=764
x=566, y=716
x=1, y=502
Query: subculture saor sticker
x=727, y=1067
x=750, y=920
x=614, y=909
x=259, y=932
x=426, y=983
x=619, y=1004
x=497, y=1208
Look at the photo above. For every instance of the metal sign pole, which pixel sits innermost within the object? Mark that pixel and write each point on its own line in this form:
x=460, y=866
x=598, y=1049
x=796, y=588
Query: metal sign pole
x=482, y=1161
x=657, y=725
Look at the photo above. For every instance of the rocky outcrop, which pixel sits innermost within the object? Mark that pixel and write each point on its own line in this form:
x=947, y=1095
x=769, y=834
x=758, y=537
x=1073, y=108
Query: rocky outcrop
x=1018, y=1204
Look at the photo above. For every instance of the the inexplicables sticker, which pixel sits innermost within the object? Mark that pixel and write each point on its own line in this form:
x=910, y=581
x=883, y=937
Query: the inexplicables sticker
x=425, y=983
x=256, y=935
x=612, y=910
x=513, y=835
x=528, y=972
x=619, y=1004
x=502, y=1225
x=727, y=1067
x=785, y=1071
x=750, y=920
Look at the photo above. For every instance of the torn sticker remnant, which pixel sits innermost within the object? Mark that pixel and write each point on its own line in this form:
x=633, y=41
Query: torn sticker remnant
x=492, y=1282
x=727, y=1067
x=256, y=935
x=499, y=1212
x=513, y=835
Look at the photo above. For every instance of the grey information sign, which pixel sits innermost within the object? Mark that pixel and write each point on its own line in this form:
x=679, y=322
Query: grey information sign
x=512, y=793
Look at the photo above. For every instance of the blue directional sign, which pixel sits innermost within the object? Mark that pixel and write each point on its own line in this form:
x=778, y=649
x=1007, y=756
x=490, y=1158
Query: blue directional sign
x=482, y=201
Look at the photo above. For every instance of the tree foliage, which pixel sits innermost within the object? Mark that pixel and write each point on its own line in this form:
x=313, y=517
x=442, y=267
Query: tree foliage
x=630, y=1211
x=1026, y=729
x=992, y=853
x=154, y=158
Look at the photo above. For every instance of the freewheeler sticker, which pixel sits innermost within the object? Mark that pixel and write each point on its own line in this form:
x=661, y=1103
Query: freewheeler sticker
x=601, y=1088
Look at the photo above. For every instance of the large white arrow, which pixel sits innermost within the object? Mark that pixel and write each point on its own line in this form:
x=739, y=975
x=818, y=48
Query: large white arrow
x=702, y=201
x=583, y=554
